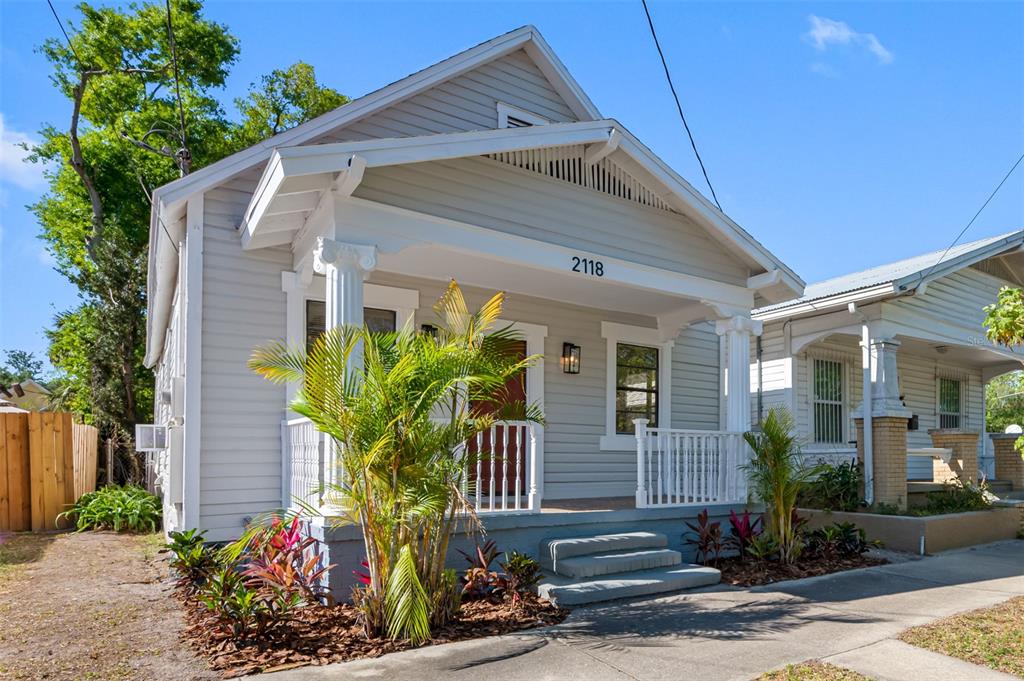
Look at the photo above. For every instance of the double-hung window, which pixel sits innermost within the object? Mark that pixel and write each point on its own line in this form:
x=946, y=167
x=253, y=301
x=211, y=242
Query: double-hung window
x=829, y=401
x=950, y=403
x=375, y=319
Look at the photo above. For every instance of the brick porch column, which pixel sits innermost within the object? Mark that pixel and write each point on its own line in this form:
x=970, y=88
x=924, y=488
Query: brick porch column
x=1009, y=464
x=964, y=462
x=890, y=457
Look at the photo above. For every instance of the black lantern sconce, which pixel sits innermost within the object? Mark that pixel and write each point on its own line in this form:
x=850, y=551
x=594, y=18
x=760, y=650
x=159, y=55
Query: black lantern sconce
x=570, y=358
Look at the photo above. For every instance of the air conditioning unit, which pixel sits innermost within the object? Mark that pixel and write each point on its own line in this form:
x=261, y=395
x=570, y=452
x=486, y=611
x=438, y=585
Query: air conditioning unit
x=150, y=437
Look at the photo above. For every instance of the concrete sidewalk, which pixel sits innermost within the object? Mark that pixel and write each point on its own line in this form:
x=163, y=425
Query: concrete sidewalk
x=726, y=634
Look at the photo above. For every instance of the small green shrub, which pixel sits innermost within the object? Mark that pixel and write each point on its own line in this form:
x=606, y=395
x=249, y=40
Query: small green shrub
x=191, y=558
x=246, y=613
x=956, y=497
x=521, y=574
x=121, y=509
x=836, y=488
x=838, y=540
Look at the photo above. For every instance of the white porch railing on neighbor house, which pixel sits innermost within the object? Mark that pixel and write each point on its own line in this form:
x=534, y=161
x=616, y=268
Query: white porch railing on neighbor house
x=501, y=473
x=689, y=467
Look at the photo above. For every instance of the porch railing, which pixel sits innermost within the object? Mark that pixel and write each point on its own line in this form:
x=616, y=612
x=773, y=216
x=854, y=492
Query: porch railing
x=500, y=473
x=689, y=467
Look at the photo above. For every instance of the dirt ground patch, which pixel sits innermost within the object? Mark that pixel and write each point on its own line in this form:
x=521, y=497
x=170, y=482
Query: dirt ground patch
x=89, y=606
x=992, y=637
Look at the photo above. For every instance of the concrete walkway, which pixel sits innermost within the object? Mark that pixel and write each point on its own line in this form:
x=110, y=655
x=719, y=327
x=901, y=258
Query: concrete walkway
x=723, y=634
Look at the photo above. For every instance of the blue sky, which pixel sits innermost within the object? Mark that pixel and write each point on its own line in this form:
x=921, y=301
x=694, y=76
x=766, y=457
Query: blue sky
x=842, y=135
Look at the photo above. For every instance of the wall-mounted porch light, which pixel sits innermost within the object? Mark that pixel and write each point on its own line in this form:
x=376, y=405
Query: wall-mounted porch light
x=570, y=358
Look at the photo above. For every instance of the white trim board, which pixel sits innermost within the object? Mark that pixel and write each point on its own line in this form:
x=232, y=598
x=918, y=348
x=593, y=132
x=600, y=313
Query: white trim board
x=191, y=509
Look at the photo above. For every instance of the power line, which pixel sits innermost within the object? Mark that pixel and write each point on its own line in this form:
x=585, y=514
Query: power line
x=679, y=107
x=66, y=36
x=185, y=161
x=964, y=230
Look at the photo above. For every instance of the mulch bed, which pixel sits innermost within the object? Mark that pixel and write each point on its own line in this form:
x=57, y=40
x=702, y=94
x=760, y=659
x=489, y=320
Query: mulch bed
x=322, y=635
x=749, y=573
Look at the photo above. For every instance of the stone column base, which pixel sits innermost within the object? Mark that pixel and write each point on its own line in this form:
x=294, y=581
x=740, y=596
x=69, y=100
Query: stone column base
x=889, y=457
x=1009, y=462
x=964, y=462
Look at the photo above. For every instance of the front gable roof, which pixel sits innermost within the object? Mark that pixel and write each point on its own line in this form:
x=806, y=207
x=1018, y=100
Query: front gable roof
x=895, y=278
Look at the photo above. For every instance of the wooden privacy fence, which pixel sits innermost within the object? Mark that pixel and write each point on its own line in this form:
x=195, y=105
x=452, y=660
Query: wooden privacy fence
x=46, y=463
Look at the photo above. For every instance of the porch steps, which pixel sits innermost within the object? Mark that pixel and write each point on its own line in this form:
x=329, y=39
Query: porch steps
x=611, y=566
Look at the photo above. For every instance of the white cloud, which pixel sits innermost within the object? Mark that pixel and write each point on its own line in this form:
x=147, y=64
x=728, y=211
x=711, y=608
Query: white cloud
x=13, y=167
x=825, y=32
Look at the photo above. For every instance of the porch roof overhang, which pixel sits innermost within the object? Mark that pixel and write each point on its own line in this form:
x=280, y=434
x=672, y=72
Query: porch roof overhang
x=296, y=180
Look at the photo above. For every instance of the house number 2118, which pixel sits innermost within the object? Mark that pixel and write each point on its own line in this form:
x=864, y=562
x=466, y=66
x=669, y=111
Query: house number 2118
x=588, y=266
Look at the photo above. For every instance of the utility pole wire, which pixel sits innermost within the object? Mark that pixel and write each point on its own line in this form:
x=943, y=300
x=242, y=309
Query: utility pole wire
x=185, y=160
x=66, y=36
x=964, y=230
x=679, y=107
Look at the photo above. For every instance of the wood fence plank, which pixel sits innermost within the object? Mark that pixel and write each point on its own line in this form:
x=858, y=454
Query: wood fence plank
x=37, y=471
x=86, y=447
x=18, y=483
x=5, y=495
x=67, y=429
x=52, y=495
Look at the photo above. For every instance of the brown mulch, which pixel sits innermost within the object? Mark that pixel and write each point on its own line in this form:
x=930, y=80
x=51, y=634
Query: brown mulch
x=322, y=635
x=89, y=606
x=749, y=573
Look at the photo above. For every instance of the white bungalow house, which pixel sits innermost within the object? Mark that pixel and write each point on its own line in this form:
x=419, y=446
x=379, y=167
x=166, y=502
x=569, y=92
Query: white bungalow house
x=494, y=168
x=928, y=363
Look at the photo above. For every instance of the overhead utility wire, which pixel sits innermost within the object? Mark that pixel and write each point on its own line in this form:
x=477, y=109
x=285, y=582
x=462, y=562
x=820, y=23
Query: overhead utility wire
x=679, y=107
x=964, y=230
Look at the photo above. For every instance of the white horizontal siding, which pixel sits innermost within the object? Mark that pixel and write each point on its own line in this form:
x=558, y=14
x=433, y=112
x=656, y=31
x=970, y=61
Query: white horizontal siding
x=243, y=307
x=463, y=103
x=696, y=394
x=488, y=193
x=958, y=298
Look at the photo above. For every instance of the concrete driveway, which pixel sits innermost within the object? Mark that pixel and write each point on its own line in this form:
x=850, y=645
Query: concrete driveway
x=725, y=633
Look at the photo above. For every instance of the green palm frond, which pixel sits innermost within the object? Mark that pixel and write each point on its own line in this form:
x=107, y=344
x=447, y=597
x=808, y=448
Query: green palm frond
x=406, y=603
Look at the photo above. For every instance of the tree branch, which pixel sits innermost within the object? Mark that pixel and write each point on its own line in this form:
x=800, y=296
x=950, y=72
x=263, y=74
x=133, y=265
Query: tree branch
x=78, y=163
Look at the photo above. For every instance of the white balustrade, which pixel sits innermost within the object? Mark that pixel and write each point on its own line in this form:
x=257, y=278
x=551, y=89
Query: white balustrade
x=677, y=467
x=501, y=466
x=303, y=468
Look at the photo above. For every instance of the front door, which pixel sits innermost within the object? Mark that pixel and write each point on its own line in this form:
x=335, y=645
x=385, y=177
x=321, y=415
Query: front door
x=502, y=449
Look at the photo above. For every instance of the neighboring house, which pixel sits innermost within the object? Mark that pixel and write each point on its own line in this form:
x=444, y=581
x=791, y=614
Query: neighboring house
x=492, y=167
x=931, y=358
x=28, y=395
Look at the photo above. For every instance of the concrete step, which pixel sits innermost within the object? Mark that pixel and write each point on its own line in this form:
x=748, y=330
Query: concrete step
x=996, y=486
x=556, y=550
x=596, y=564
x=565, y=592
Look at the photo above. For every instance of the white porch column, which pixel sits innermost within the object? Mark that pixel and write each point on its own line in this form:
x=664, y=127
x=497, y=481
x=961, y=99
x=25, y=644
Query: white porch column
x=736, y=332
x=885, y=381
x=345, y=267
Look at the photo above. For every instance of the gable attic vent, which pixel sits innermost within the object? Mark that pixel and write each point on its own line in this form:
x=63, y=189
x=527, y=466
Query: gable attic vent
x=567, y=164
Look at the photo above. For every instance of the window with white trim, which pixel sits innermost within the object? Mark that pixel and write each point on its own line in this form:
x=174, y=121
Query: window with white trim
x=829, y=403
x=376, y=319
x=514, y=117
x=638, y=385
x=950, y=403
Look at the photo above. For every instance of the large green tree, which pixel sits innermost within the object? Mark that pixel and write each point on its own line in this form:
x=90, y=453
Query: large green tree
x=1004, y=322
x=143, y=111
x=1004, y=398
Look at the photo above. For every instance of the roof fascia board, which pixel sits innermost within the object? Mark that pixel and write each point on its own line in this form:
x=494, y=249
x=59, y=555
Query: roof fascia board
x=919, y=279
x=554, y=70
x=870, y=293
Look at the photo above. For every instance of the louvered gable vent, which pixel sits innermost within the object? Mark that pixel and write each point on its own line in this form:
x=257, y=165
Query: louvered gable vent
x=567, y=164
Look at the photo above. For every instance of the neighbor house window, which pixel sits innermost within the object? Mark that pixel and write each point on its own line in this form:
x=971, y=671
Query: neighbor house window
x=949, y=403
x=636, y=386
x=376, y=319
x=829, y=408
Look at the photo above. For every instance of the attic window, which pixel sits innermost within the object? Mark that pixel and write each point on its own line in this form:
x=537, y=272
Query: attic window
x=512, y=117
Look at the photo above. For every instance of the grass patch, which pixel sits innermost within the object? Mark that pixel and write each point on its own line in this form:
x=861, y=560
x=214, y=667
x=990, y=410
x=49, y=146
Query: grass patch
x=151, y=544
x=812, y=670
x=16, y=550
x=991, y=637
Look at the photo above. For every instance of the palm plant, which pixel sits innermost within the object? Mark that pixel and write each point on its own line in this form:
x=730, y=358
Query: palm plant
x=400, y=420
x=777, y=474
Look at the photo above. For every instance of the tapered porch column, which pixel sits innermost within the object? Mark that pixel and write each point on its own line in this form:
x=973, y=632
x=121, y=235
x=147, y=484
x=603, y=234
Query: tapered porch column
x=736, y=332
x=345, y=267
